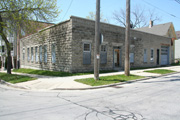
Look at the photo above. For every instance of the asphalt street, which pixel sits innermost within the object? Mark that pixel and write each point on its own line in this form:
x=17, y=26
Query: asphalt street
x=153, y=99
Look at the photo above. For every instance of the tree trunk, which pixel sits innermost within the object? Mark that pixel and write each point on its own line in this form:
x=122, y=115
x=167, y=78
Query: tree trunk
x=8, y=46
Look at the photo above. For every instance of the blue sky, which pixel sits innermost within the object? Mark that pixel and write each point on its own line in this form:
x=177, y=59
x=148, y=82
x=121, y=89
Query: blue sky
x=166, y=9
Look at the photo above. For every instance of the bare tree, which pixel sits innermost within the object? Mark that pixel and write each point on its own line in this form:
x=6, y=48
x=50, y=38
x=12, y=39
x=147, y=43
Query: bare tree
x=140, y=17
x=92, y=16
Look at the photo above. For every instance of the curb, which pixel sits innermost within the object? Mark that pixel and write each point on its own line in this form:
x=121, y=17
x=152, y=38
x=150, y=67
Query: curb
x=90, y=88
x=113, y=85
x=11, y=85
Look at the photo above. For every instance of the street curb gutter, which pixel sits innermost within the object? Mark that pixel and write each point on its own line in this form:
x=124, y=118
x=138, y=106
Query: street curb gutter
x=11, y=85
x=113, y=85
x=89, y=88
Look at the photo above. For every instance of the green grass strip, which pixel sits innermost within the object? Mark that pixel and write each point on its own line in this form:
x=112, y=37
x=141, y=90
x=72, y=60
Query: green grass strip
x=12, y=78
x=54, y=73
x=108, y=80
x=160, y=71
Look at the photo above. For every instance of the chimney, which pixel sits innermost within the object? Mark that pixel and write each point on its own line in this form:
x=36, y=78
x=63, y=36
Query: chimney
x=150, y=24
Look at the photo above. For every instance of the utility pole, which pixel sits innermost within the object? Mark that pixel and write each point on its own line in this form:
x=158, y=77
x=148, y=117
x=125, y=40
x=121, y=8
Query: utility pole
x=97, y=41
x=127, y=36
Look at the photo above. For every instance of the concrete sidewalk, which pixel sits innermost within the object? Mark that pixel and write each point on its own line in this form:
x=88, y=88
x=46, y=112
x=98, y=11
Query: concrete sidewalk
x=51, y=83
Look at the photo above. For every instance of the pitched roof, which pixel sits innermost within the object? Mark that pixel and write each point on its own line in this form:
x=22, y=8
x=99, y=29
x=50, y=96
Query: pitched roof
x=160, y=29
x=178, y=34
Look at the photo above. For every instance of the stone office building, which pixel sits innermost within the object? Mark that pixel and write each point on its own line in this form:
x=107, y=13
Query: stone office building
x=69, y=46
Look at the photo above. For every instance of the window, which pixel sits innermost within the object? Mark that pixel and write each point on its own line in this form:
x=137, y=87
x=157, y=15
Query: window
x=32, y=54
x=40, y=53
x=53, y=53
x=131, y=57
x=36, y=54
x=87, y=47
x=23, y=32
x=11, y=46
x=152, y=54
x=103, y=48
x=87, y=53
x=45, y=53
x=145, y=55
x=103, y=54
x=3, y=48
x=23, y=53
x=28, y=54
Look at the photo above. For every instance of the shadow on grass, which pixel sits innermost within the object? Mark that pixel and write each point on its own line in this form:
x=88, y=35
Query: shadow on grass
x=55, y=73
x=12, y=78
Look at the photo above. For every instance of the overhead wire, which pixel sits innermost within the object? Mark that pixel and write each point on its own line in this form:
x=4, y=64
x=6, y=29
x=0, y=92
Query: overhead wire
x=162, y=9
x=178, y=1
x=67, y=9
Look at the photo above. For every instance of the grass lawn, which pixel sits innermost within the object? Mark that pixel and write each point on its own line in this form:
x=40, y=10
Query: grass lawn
x=160, y=71
x=108, y=80
x=12, y=78
x=53, y=73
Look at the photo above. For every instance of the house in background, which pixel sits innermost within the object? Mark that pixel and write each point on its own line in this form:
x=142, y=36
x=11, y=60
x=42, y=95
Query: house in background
x=13, y=37
x=177, y=46
x=167, y=30
x=69, y=46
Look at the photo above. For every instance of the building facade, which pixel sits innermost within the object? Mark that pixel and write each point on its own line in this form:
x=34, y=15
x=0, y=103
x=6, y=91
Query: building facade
x=13, y=37
x=177, y=46
x=69, y=46
x=166, y=30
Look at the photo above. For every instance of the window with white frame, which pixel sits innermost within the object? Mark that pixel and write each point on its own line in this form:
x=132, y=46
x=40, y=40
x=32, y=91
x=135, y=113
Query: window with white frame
x=36, y=54
x=145, y=55
x=86, y=53
x=23, y=53
x=28, y=57
x=45, y=53
x=53, y=53
x=152, y=54
x=23, y=32
x=131, y=57
x=32, y=57
x=40, y=53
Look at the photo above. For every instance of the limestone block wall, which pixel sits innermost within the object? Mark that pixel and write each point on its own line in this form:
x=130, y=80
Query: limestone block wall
x=61, y=36
x=83, y=31
x=70, y=36
x=148, y=41
x=114, y=37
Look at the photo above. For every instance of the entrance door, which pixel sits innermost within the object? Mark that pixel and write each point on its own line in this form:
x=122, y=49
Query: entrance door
x=164, y=55
x=157, y=56
x=117, y=58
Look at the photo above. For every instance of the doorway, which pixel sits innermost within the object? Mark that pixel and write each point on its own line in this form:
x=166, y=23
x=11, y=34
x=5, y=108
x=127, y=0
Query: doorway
x=157, y=56
x=117, y=58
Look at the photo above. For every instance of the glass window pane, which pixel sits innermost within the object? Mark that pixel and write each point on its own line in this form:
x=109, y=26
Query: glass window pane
x=31, y=53
x=40, y=53
x=53, y=52
x=103, y=48
x=36, y=54
x=45, y=53
x=87, y=47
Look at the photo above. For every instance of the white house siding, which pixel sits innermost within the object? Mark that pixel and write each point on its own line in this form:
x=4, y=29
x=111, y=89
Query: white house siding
x=177, y=49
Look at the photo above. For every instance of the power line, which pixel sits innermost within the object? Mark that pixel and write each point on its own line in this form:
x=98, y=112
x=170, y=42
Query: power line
x=162, y=9
x=177, y=1
x=67, y=9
